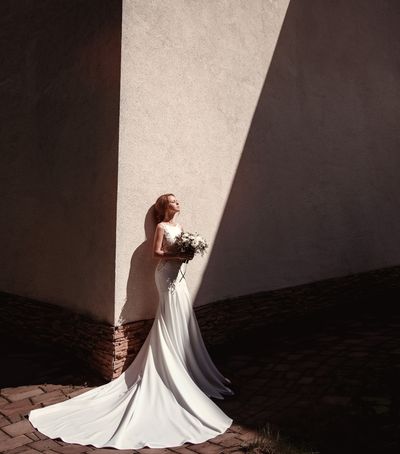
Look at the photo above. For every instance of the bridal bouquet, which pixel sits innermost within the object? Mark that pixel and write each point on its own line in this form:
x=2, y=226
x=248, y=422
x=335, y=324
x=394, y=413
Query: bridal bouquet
x=191, y=242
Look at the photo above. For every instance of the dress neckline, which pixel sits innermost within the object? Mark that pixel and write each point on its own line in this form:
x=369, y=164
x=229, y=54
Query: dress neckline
x=166, y=223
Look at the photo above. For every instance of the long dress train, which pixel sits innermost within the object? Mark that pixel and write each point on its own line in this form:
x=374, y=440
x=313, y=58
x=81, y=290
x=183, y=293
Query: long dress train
x=163, y=398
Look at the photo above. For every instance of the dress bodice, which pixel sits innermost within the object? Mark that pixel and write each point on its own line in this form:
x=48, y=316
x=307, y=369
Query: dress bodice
x=170, y=234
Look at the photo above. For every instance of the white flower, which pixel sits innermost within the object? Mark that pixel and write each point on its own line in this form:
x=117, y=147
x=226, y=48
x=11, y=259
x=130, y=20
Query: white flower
x=191, y=242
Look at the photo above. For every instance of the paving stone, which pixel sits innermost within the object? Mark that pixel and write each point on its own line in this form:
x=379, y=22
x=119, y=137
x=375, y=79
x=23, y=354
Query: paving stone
x=332, y=374
x=380, y=409
x=41, y=445
x=15, y=407
x=219, y=438
x=227, y=442
x=306, y=380
x=15, y=417
x=73, y=449
x=112, y=450
x=48, y=387
x=237, y=428
x=50, y=397
x=321, y=371
x=23, y=450
x=377, y=400
x=33, y=436
x=14, y=442
x=358, y=354
x=41, y=436
x=18, y=428
x=247, y=436
x=15, y=390
x=178, y=450
x=207, y=448
x=292, y=375
x=3, y=401
x=77, y=392
x=66, y=390
x=336, y=400
x=4, y=436
x=62, y=442
x=24, y=394
x=150, y=451
x=282, y=367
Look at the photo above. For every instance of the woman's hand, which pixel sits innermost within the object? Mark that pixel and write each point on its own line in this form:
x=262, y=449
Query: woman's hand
x=173, y=254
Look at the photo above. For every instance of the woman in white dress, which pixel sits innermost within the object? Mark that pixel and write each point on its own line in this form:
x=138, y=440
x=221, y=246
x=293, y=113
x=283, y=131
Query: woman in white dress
x=163, y=398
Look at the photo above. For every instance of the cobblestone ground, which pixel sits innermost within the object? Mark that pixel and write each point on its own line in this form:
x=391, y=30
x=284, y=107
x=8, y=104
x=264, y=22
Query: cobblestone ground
x=328, y=381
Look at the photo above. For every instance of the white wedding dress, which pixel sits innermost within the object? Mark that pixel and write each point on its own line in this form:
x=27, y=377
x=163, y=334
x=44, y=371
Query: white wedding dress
x=162, y=399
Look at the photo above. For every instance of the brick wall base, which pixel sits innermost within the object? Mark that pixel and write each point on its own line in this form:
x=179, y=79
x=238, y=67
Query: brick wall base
x=110, y=349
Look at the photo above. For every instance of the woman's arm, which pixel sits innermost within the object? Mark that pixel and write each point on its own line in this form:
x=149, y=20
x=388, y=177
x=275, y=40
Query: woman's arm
x=158, y=251
x=157, y=243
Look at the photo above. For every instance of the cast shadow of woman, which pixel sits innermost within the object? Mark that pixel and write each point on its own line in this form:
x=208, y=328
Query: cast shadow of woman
x=141, y=293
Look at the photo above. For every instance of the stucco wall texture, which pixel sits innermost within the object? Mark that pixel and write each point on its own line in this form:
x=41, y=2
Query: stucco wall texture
x=282, y=147
x=191, y=75
x=59, y=85
x=275, y=123
x=316, y=191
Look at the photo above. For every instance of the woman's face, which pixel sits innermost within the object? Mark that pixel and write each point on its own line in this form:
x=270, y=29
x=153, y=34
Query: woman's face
x=173, y=204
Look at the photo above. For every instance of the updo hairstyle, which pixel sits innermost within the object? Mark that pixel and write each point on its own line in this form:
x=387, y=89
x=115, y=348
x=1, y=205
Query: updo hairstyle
x=160, y=207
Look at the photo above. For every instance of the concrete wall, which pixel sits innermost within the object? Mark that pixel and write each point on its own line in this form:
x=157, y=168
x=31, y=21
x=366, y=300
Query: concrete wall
x=316, y=191
x=59, y=85
x=281, y=142
x=289, y=167
x=191, y=75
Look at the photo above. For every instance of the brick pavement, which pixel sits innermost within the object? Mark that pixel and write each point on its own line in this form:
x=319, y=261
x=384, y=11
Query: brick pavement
x=329, y=380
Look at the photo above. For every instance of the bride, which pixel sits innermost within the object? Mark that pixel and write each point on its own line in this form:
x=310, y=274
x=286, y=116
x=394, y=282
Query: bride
x=163, y=398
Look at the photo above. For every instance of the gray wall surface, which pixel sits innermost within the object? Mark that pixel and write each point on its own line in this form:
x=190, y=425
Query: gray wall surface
x=316, y=192
x=191, y=75
x=280, y=141
x=59, y=88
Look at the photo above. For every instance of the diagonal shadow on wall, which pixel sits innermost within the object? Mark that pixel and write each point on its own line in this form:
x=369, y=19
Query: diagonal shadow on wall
x=313, y=196
x=141, y=287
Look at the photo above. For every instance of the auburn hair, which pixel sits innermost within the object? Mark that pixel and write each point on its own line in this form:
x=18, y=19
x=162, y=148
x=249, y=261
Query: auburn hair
x=160, y=207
